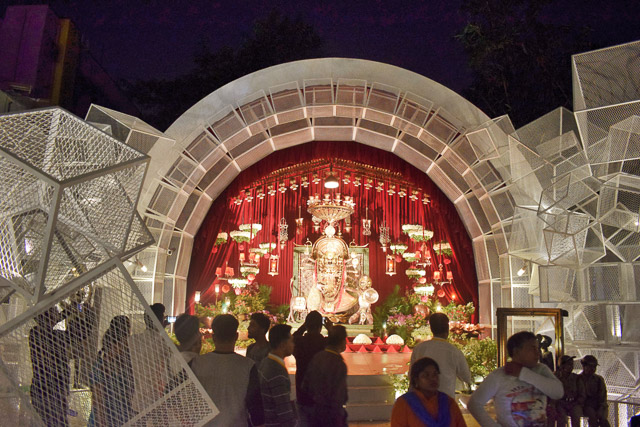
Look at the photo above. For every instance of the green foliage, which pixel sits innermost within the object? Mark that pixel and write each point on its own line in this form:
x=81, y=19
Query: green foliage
x=400, y=383
x=481, y=355
x=250, y=300
x=520, y=63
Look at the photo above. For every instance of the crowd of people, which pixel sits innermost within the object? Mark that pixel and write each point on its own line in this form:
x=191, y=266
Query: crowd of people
x=255, y=389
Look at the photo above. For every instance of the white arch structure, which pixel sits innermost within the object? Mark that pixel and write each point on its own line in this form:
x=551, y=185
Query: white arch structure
x=532, y=198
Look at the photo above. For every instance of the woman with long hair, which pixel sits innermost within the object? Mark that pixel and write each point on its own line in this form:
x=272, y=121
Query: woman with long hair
x=424, y=405
x=112, y=383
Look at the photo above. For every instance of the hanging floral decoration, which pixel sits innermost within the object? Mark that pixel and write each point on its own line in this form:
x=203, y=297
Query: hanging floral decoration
x=414, y=273
x=264, y=248
x=251, y=228
x=221, y=239
x=416, y=232
x=410, y=256
x=443, y=248
x=424, y=290
x=238, y=282
x=398, y=248
x=246, y=270
x=240, y=236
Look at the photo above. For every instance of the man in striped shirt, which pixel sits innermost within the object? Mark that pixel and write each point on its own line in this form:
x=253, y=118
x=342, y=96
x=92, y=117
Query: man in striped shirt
x=274, y=379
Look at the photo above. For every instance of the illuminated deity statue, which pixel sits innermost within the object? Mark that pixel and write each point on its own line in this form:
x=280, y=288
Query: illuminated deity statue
x=366, y=296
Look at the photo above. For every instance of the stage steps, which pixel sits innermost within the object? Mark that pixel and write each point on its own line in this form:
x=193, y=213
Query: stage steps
x=371, y=397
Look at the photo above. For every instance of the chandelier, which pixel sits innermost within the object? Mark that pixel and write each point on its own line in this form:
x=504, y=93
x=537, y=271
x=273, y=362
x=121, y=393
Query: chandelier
x=331, y=209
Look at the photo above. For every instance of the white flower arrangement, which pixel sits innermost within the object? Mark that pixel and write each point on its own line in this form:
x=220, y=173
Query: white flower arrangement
x=398, y=247
x=238, y=282
x=362, y=339
x=443, y=248
x=410, y=256
x=267, y=247
x=424, y=290
x=395, y=340
x=415, y=273
x=421, y=235
x=240, y=236
x=251, y=228
x=411, y=228
x=221, y=238
x=246, y=270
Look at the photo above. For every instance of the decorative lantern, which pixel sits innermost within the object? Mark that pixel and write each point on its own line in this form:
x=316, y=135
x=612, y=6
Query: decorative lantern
x=241, y=257
x=436, y=275
x=274, y=264
x=196, y=298
x=390, y=265
x=228, y=271
x=217, y=288
x=298, y=303
x=218, y=271
x=449, y=275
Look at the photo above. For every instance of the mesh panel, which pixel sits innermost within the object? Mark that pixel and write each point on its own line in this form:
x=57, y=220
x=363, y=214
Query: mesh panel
x=60, y=144
x=137, y=370
x=606, y=76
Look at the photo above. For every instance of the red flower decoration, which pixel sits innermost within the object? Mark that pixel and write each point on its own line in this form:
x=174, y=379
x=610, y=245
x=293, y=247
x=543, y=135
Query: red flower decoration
x=441, y=293
x=225, y=289
x=241, y=246
x=447, y=261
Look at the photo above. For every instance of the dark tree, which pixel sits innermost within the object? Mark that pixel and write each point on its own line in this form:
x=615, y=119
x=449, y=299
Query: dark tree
x=274, y=40
x=521, y=65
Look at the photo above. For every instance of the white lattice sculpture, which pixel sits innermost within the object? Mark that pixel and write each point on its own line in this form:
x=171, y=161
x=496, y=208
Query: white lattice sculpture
x=79, y=337
x=113, y=359
x=70, y=200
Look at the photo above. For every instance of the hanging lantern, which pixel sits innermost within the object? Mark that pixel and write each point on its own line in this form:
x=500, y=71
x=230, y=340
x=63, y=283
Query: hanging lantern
x=228, y=271
x=436, y=275
x=218, y=271
x=241, y=257
x=274, y=264
x=298, y=303
x=449, y=275
x=390, y=265
x=283, y=235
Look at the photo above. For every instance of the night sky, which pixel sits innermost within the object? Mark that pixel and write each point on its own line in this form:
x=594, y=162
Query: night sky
x=143, y=39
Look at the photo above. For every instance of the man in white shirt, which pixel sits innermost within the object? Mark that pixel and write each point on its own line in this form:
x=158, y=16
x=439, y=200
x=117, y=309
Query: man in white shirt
x=450, y=359
x=519, y=389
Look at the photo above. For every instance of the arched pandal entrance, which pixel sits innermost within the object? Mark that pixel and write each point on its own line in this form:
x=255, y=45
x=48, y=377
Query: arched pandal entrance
x=551, y=208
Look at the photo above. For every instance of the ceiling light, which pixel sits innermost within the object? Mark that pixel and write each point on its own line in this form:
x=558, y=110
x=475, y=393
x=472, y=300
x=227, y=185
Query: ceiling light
x=331, y=182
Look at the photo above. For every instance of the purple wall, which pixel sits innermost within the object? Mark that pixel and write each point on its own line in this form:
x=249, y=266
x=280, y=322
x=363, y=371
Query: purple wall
x=28, y=48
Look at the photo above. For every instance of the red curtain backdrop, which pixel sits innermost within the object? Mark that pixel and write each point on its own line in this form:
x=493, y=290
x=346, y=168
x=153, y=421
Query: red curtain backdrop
x=440, y=216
